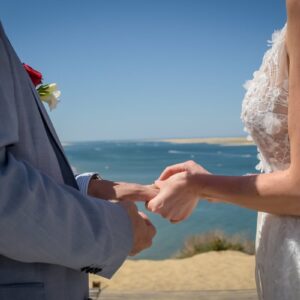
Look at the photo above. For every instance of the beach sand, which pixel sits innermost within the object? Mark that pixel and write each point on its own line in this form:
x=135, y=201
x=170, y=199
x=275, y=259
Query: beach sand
x=227, y=270
x=237, y=141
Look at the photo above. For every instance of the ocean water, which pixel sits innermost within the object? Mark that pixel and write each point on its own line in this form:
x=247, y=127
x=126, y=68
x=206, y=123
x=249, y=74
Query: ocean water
x=142, y=162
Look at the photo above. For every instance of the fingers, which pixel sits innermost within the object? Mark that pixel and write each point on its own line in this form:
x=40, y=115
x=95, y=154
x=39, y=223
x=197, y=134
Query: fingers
x=135, y=192
x=148, y=192
x=145, y=217
x=159, y=184
x=148, y=223
x=175, y=221
x=165, y=214
x=128, y=205
x=159, y=204
x=171, y=170
x=150, y=186
x=144, y=232
x=154, y=204
x=185, y=166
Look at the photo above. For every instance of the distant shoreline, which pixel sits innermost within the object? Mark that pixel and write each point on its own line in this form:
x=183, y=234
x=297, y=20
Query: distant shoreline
x=228, y=141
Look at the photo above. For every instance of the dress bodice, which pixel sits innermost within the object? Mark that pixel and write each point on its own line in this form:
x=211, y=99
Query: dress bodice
x=265, y=107
x=265, y=115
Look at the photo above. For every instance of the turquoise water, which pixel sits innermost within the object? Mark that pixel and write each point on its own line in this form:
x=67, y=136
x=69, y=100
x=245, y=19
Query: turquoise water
x=142, y=162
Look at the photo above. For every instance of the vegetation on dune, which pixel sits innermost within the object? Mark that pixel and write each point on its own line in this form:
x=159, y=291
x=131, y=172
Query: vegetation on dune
x=215, y=241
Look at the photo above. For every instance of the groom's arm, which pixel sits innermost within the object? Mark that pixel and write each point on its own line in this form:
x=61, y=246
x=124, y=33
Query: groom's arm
x=43, y=221
x=92, y=184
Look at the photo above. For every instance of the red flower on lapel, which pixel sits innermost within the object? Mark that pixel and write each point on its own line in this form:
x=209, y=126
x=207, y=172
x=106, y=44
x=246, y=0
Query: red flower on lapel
x=35, y=75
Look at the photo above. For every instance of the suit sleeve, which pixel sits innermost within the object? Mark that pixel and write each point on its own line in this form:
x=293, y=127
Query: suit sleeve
x=43, y=221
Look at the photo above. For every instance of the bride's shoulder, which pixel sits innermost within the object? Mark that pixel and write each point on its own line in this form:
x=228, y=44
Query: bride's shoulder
x=293, y=3
x=293, y=25
x=293, y=10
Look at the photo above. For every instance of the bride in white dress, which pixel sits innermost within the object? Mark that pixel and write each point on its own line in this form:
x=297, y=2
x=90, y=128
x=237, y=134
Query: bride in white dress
x=271, y=114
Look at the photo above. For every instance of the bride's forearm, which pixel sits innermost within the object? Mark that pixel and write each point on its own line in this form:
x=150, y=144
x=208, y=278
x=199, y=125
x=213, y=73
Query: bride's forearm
x=275, y=193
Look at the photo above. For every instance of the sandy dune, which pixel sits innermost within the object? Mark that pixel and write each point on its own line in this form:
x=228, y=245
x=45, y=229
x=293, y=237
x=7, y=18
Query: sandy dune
x=209, y=271
x=239, y=141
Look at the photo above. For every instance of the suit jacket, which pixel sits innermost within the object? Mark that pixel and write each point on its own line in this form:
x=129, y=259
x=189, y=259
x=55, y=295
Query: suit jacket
x=51, y=235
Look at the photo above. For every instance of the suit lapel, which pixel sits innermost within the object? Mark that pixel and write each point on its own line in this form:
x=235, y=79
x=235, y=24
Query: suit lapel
x=36, y=97
x=63, y=162
x=65, y=167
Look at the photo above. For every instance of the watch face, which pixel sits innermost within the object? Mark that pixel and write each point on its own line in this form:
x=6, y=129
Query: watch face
x=96, y=176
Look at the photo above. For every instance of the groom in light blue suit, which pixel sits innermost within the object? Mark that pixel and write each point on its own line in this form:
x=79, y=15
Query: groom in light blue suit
x=52, y=234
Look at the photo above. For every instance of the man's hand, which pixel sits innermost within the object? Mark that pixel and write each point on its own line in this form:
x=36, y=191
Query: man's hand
x=179, y=191
x=123, y=191
x=143, y=229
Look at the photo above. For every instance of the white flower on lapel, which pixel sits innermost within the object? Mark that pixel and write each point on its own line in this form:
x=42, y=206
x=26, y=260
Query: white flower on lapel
x=49, y=94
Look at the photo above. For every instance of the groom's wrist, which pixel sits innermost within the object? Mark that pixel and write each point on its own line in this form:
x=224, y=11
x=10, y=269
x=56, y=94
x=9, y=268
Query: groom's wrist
x=103, y=189
x=93, y=187
x=83, y=181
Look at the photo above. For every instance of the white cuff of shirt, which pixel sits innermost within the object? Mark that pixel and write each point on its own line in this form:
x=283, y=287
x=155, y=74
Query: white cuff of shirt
x=83, y=181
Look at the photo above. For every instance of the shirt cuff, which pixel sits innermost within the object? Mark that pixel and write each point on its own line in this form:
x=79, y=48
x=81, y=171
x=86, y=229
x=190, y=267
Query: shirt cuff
x=83, y=181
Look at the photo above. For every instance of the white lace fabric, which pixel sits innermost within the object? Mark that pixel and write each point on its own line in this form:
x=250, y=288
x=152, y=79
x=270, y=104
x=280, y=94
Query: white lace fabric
x=265, y=106
x=265, y=115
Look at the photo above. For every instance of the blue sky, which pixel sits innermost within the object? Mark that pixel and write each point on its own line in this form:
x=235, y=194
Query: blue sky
x=131, y=69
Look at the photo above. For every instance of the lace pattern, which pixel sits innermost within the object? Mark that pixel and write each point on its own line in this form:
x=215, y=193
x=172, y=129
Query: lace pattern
x=265, y=107
x=265, y=115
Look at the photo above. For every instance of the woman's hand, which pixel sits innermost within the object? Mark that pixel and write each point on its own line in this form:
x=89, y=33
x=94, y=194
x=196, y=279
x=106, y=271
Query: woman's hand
x=190, y=167
x=179, y=191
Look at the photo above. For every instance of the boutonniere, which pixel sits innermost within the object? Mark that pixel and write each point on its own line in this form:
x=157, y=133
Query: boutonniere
x=47, y=92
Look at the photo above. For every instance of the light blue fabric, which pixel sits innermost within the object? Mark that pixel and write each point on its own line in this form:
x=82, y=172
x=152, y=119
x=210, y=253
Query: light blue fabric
x=83, y=181
x=49, y=230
